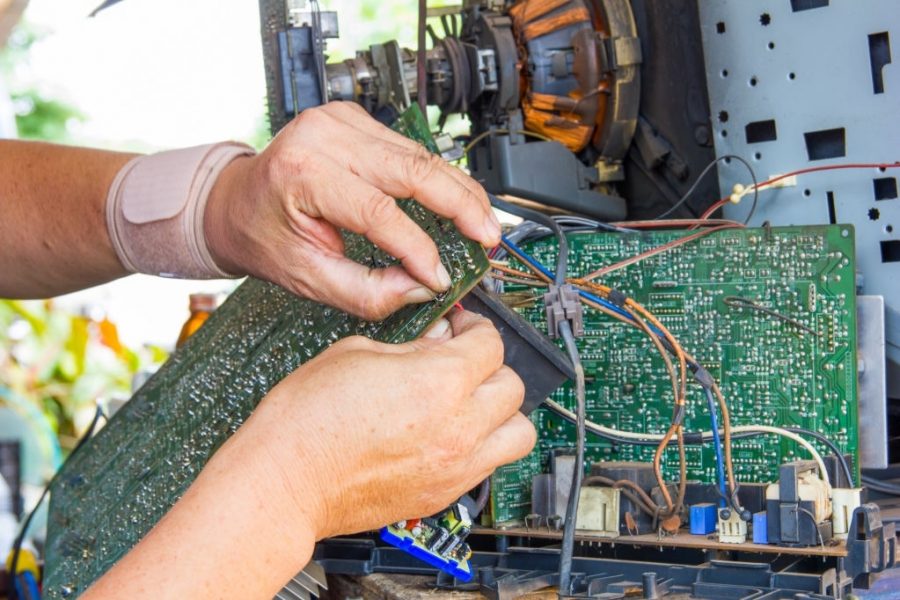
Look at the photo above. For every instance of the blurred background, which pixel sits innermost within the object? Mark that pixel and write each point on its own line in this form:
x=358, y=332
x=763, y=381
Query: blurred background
x=141, y=76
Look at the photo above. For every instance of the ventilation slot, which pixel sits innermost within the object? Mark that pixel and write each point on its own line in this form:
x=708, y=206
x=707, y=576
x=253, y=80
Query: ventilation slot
x=832, y=214
x=798, y=5
x=890, y=251
x=825, y=144
x=761, y=131
x=885, y=188
x=879, y=55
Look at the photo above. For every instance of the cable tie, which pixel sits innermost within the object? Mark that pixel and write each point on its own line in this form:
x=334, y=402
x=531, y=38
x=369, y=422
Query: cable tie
x=693, y=438
x=617, y=297
x=703, y=377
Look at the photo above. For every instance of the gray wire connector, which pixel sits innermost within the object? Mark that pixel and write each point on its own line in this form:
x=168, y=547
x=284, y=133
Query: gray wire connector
x=562, y=304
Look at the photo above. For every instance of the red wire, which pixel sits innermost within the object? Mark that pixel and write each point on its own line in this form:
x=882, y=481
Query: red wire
x=719, y=204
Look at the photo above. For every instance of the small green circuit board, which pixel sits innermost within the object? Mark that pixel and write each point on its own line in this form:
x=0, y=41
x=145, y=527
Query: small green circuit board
x=113, y=491
x=771, y=371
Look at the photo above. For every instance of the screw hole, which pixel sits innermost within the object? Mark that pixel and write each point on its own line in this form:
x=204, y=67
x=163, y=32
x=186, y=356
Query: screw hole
x=874, y=214
x=753, y=81
x=792, y=76
x=723, y=116
x=724, y=72
x=889, y=229
x=727, y=160
x=765, y=19
x=845, y=233
x=807, y=193
x=757, y=156
x=724, y=133
x=771, y=45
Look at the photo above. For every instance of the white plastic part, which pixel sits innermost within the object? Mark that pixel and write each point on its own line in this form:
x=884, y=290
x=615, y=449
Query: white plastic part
x=598, y=511
x=732, y=530
x=843, y=501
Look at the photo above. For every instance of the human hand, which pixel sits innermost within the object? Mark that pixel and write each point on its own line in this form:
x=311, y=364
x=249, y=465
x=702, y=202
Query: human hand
x=277, y=216
x=368, y=433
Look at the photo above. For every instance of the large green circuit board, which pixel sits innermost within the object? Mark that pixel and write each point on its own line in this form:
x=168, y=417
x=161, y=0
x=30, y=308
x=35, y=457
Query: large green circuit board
x=123, y=481
x=771, y=371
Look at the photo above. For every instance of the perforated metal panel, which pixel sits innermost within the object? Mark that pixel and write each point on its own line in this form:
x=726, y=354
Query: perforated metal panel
x=802, y=83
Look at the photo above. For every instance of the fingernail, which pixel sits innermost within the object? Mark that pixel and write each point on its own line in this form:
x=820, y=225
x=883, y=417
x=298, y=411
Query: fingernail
x=438, y=330
x=492, y=225
x=417, y=295
x=443, y=277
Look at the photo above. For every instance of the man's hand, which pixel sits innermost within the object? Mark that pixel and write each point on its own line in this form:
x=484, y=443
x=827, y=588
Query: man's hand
x=276, y=216
x=364, y=435
x=369, y=433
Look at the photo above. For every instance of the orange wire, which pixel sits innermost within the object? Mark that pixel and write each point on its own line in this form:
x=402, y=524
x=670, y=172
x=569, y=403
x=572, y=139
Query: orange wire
x=658, y=250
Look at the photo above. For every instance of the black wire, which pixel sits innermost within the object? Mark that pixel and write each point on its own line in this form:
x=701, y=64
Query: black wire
x=20, y=539
x=812, y=518
x=484, y=496
x=707, y=169
x=568, y=540
x=568, y=337
x=838, y=455
x=885, y=487
x=539, y=217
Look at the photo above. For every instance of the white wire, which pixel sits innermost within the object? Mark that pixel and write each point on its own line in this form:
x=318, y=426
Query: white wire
x=631, y=435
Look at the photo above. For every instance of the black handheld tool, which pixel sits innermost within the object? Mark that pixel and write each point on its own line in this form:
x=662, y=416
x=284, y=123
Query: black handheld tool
x=539, y=362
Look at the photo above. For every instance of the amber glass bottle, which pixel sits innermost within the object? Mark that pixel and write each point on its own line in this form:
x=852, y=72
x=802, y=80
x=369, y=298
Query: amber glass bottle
x=202, y=305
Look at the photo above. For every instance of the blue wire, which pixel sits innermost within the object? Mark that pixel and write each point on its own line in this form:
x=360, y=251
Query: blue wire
x=720, y=461
x=527, y=258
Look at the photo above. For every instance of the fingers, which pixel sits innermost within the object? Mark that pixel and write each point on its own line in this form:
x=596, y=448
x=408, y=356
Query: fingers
x=351, y=203
x=513, y=440
x=427, y=178
x=403, y=168
x=497, y=400
x=372, y=294
x=354, y=115
x=476, y=344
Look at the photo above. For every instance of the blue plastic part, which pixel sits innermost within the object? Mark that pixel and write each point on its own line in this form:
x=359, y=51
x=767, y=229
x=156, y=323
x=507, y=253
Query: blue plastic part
x=760, y=528
x=703, y=518
x=461, y=571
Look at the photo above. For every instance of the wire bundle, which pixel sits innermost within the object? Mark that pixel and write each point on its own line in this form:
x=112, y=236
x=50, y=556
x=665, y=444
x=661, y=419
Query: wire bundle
x=677, y=361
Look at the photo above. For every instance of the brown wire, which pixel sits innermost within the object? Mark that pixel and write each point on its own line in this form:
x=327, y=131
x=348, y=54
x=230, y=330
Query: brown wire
x=634, y=492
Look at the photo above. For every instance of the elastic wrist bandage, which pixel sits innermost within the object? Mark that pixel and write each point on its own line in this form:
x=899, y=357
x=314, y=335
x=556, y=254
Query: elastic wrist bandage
x=155, y=208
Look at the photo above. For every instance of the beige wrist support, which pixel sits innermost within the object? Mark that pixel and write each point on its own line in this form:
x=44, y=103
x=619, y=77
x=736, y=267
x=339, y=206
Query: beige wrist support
x=155, y=208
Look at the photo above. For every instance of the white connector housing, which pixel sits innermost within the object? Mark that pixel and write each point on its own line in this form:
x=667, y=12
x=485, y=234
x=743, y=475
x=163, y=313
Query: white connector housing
x=598, y=511
x=782, y=183
x=732, y=530
x=843, y=502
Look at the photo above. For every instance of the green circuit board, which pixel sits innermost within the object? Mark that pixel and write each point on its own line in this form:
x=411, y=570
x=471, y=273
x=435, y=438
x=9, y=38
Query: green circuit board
x=113, y=491
x=771, y=371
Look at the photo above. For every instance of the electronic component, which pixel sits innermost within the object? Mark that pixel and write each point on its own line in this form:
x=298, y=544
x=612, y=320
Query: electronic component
x=703, y=518
x=760, y=528
x=770, y=370
x=732, y=529
x=598, y=511
x=206, y=390
x=440, y=541
x=798, y=507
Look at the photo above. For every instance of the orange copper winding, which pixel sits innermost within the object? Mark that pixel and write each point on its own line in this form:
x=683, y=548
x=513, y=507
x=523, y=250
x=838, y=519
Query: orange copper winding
x=577, y=118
